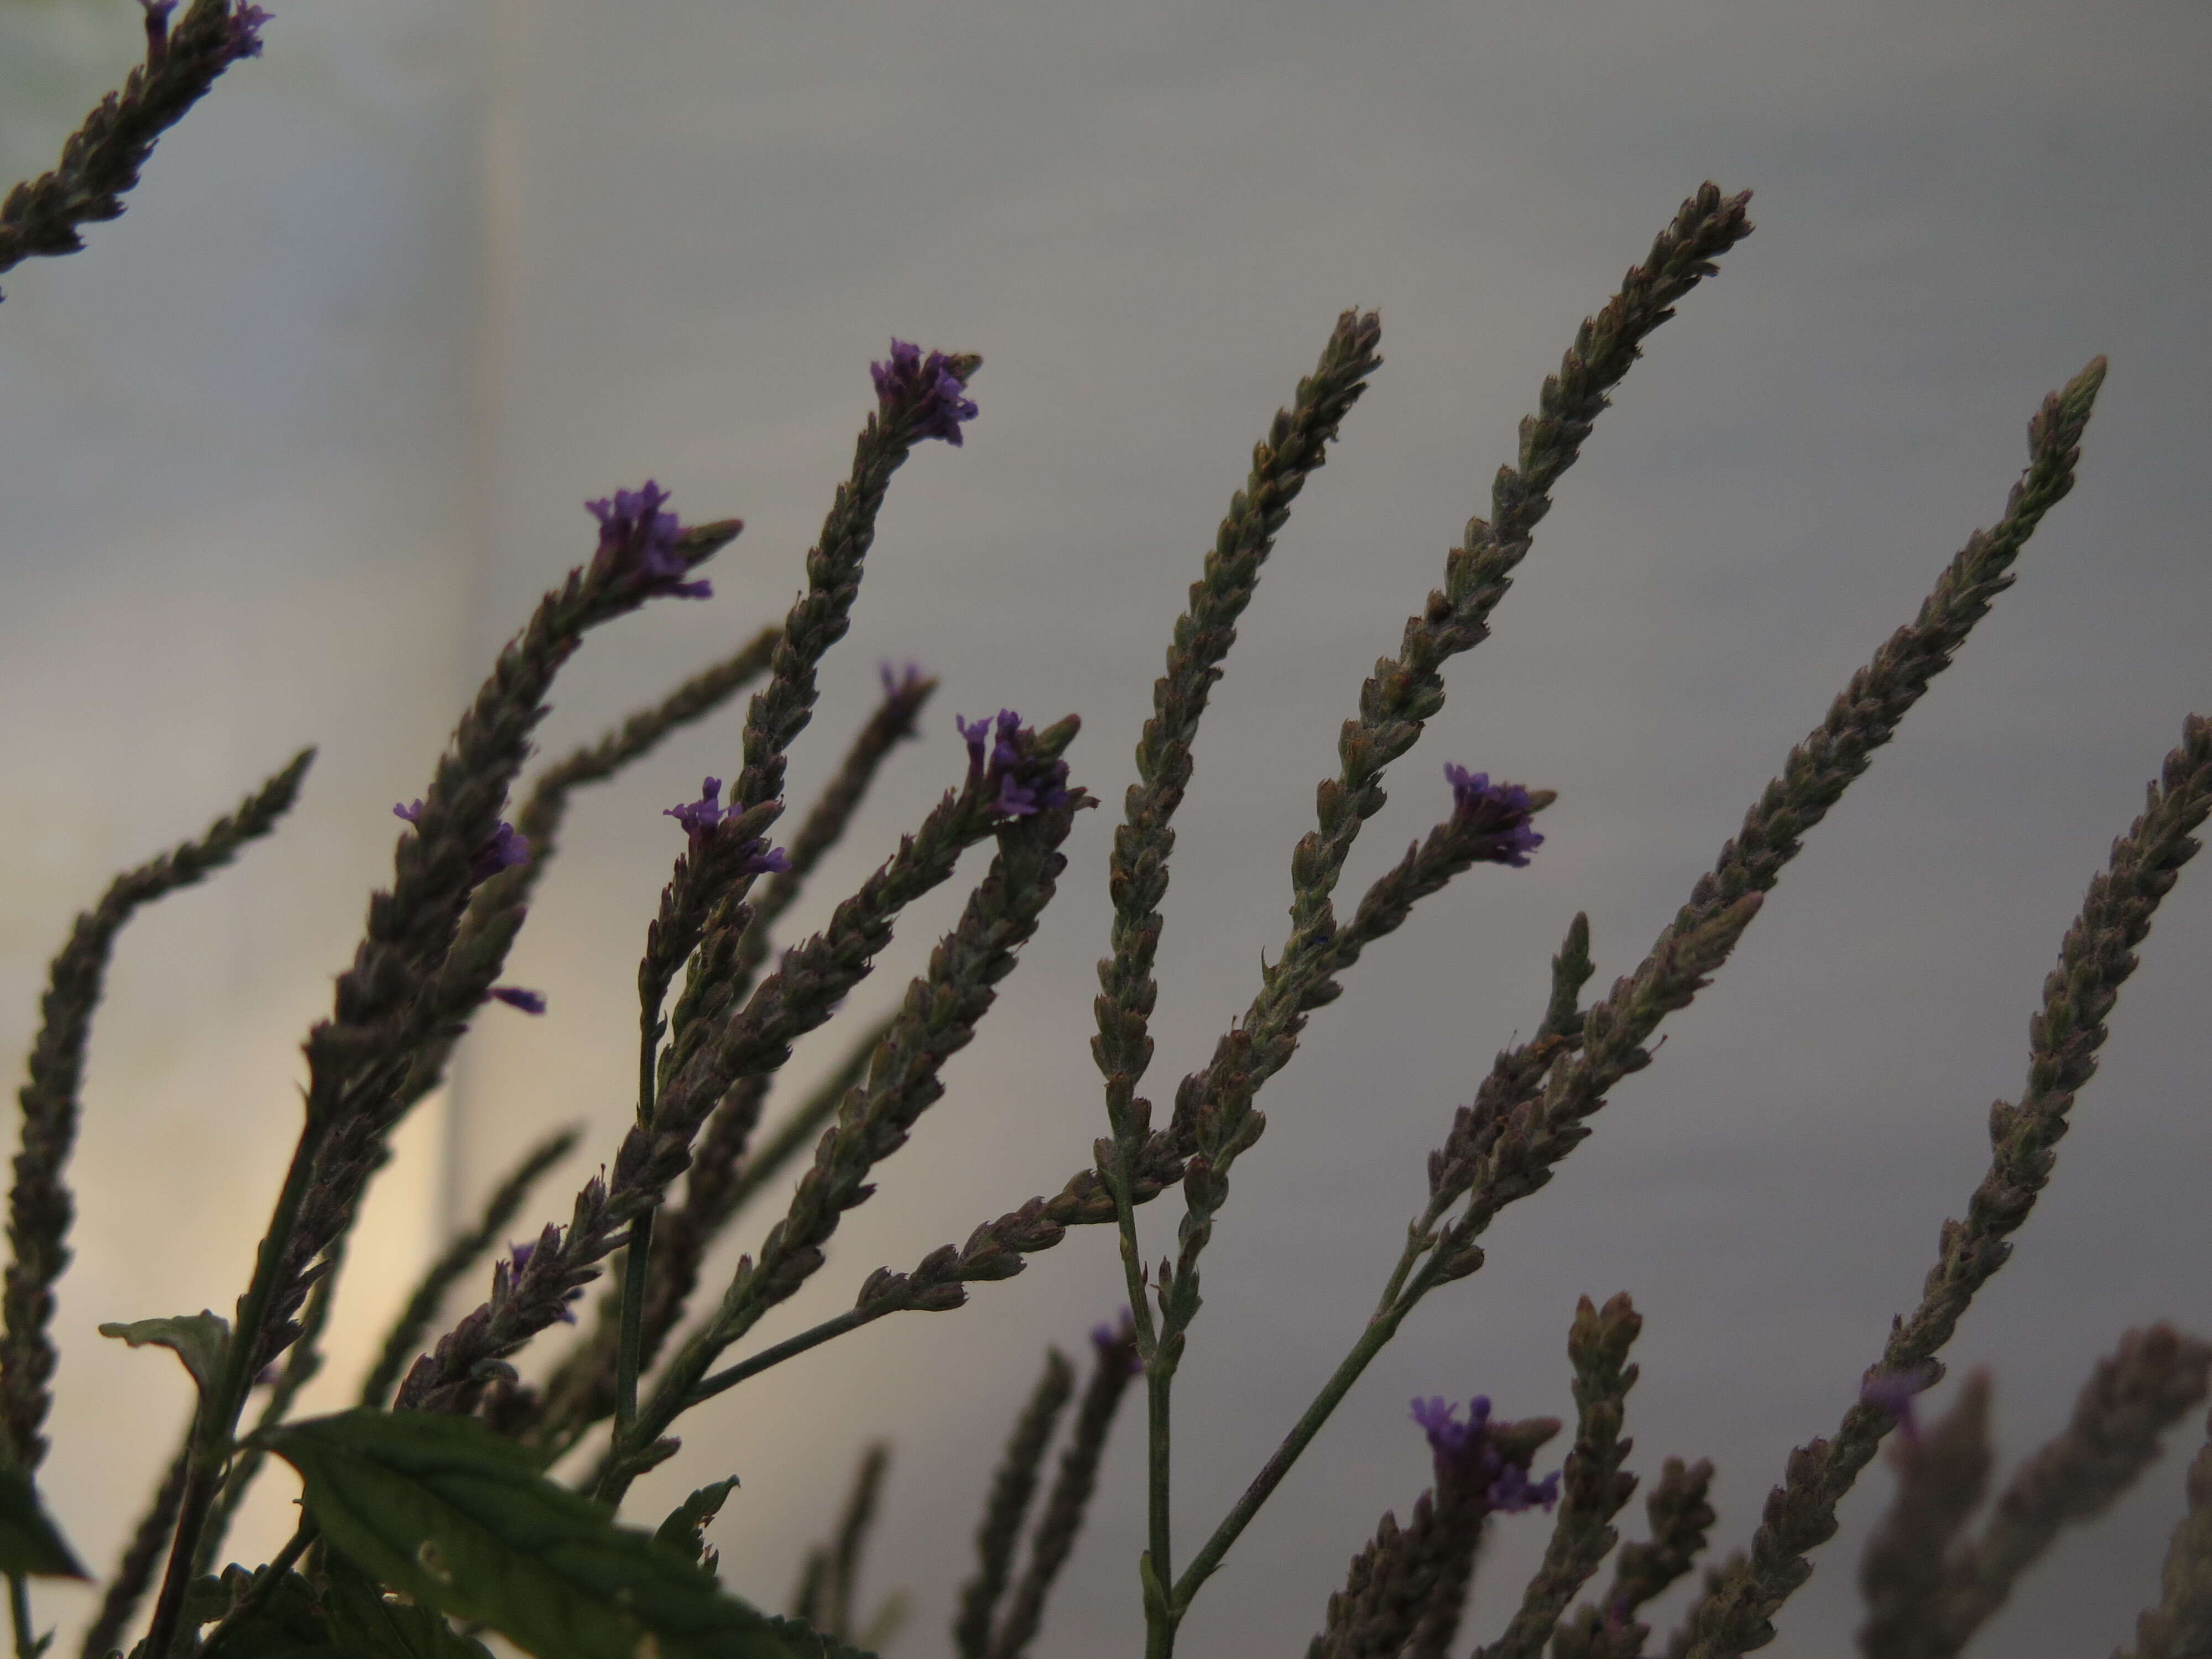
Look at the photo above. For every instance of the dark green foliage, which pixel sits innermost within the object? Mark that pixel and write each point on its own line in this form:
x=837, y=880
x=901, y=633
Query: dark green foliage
x=463, y=1521
x=201, y=1341
x=367, y=1624
x=685, y=1529
x=30, y=1542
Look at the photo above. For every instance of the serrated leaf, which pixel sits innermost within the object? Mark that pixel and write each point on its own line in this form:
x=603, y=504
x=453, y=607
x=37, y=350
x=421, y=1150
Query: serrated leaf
x=30, y=1542
x=201, y=1341
x=445, y=1510
x=685, y=1529
x=364, y=1625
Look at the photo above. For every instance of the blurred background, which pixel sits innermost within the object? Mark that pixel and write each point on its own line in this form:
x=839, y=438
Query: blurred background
x=293, y=446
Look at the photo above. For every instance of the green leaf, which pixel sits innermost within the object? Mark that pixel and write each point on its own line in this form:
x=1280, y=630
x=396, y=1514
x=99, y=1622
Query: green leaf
x=443, y=1510
x=286, y=1624
x=30, y=1542
x=201, y=1341
x=685, y=1529
x=365, y=1626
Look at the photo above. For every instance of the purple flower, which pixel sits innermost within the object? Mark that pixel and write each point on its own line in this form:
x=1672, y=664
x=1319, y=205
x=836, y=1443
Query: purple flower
x=1112, y=1335
x=635, y=535
x=1497, y=813
x=519, y=1256
x=939, y=396
x=1021, y=784
x=530, y=1002
x=700, y=817
x=902, y=681
x=702, y=820
x=1468, y=1456
x=1892, y=1392
x=503, y=851
x=506, y=849
x=157, y=27
x=242, y=35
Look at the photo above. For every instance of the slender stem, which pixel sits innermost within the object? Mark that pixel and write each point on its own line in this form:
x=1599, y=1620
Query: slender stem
x=611, y=1480
x=1420, y=1238
x=637, y=1258
x=264, y=1584
x=19, y=1613
x=218, y=1417
x=1378, y=1333
x=637, y=1268
x=1159, y=1621
x=789, y=1348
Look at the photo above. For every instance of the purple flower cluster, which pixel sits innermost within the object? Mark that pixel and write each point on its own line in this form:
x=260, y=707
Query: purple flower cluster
x=157, y=27
x=506, y=847
x=1499, y=813
x=1021, y=784
x=937, y=395
x=1467, y=1456
x=702, y=820
x=242, y=39
x=1111, y=1335
x=636, y=535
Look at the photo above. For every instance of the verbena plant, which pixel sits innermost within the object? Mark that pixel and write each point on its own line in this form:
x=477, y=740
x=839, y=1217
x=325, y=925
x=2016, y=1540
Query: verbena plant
x=430, y=1515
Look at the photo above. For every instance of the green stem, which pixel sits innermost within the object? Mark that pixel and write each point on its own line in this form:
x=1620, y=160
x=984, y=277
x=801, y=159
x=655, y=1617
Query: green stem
x=611, y=1481
x=789, y=1348
x=637, y=1258
x=1160, y=1620
x=1380, y=1329
x=218, y=1416
x=637, y=1267
x=19, y=1612
x=264, y=1584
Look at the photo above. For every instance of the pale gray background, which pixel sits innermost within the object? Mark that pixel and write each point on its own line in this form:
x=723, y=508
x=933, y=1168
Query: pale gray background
x=292, y=447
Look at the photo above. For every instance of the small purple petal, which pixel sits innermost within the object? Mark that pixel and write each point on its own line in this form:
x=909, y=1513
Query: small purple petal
x=413, y=814
x=699, y=817
x=936, y=398
x=242, y=37
x=506, y=849
x=530, y=1002
x=635, y=535
x=974, y=736
x=1500, y=813
x=1893, y=1392
x=157, y=27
